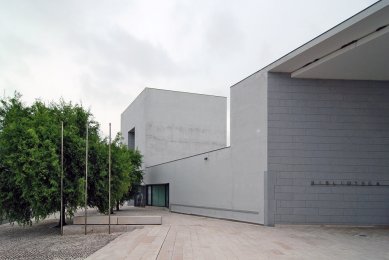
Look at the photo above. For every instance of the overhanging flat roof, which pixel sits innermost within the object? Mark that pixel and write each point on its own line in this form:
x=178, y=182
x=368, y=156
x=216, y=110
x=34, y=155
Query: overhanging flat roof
x=365, y=59
x=357, y=48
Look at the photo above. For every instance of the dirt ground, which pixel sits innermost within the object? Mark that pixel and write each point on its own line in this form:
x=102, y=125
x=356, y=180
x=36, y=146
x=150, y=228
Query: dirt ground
x=42, y=241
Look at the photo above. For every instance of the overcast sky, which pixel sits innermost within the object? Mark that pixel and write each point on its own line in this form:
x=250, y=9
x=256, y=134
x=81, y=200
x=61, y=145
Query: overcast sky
x=104, y=53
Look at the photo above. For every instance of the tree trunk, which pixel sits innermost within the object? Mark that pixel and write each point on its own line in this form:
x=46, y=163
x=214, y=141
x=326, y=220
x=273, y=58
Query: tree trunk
x=117, y=205
x=62, y=217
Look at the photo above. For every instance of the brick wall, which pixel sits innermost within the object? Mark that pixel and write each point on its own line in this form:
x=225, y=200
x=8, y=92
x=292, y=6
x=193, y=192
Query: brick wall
x=328, y=130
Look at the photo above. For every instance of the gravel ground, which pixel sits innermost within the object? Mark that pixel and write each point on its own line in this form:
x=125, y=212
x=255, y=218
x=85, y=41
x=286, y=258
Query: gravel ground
x=42, y=241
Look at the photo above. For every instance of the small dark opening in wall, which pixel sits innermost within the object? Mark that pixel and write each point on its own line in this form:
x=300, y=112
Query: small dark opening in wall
x=131, y=139
x=348, y=44
x=380, y=28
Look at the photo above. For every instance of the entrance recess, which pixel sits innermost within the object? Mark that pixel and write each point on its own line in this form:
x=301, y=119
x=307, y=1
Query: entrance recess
x=158, y=195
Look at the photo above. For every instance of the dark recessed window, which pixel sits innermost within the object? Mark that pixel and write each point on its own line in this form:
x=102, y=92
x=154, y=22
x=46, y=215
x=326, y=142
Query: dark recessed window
x=131, y=139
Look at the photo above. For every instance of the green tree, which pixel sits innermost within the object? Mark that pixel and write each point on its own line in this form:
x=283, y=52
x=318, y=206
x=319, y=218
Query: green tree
x=98, y=175
x=36, y=163
x=30, y=149
x=14, y=137
x=126, y=165
x=125, y=172
x=136, y=176
x=30, y=158
x=75, y=119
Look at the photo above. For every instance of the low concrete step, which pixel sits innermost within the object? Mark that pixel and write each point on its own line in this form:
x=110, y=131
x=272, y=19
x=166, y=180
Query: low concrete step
x=95, y=220
x=80, y=229
x=119, y=220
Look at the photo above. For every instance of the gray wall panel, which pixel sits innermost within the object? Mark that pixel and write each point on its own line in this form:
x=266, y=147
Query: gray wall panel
x=328, y=130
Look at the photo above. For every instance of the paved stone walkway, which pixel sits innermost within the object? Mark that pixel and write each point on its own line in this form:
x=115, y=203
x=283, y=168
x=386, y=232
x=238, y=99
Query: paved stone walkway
x=192, y=237
x=41, y=241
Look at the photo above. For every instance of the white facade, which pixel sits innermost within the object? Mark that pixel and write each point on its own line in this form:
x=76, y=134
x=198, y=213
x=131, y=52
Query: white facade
x=225, y=183
x=169, y=125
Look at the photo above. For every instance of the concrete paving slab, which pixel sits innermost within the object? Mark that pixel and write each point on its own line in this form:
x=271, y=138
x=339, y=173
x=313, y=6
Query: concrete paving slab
x=193, y=237
x=140, y=244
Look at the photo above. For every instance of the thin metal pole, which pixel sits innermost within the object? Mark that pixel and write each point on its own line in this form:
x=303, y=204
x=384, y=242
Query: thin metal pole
x=86, y=177
x=109, y=181
x=61, y=179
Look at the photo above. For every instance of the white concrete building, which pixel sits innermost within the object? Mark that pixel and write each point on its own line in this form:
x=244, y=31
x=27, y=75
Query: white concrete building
x=168, y=125
x=309, y=136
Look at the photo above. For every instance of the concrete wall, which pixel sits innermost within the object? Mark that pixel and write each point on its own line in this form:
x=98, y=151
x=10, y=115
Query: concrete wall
x=203, y=187
x=328, y=130
x=249, y=141
x=230, y=183
x=134, y=117
x=181, y=124
x=171, y=125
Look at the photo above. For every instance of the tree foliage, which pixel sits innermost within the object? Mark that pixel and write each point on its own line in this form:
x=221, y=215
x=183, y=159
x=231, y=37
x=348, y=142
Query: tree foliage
x=30, y=161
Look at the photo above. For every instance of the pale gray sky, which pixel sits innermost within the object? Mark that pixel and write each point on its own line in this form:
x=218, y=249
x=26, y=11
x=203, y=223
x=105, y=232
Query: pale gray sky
x=103, y=53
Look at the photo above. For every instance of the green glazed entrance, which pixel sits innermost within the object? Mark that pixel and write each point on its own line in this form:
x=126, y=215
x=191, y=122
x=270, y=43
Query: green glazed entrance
x=158, y=195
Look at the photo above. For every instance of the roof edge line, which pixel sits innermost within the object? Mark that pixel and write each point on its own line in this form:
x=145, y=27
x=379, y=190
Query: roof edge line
x=343, y=23
x=187, y=157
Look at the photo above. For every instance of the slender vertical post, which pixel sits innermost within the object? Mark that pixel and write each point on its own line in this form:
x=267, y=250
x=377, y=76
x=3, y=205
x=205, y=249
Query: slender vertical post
x=109, y=181
x=61, y=211
x=86, y=178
